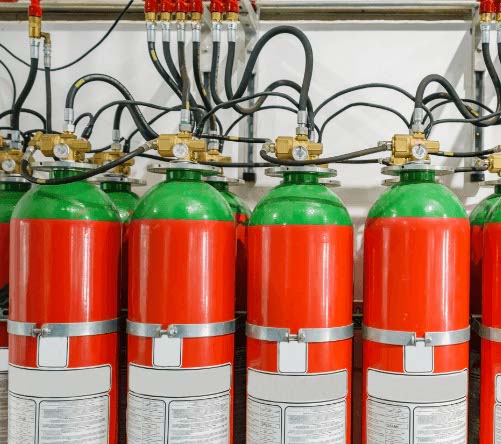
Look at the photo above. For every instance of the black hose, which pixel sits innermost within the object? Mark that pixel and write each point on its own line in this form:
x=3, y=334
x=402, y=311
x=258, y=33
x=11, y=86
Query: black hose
x=491, y=69
x=200, y=84
x=14, y=87
x=170, y=63
x=118, y=117
x=83, y=176
x=27, y=111
x=48, y=100
x=465, y=154
x=216, y=49
x=469, y=169
x=325, y=160
x=185, y=78
x=139, y=120
x=16, y=111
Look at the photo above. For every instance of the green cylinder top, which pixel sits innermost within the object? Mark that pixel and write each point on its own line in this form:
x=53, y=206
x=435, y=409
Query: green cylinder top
x=300, y=200
x=75, y=201
x=122, y=196
x=418, y=195
x=183, y=196
x=479, y=215
x=10, y=194
x=237, y=205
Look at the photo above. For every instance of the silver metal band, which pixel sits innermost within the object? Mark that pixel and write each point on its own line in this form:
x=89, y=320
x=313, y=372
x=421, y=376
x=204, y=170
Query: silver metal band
x=488, y=333
x=181, y=330
x=406, y=338
x=63, y=330
x=272, y=334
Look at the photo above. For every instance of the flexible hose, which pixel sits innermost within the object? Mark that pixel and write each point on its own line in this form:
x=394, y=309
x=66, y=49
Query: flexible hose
x=170, y=63
x=466, y=154
x=325, y=160
x=27, y=111
x=200, y=84
x=25, y=162
x=139, y=120
x=14, y=86
x=185, y=78
x=16, y=111
x=48, y=100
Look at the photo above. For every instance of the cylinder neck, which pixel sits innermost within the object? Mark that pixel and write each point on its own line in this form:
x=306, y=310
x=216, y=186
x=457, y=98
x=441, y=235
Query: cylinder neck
x=62, y=174
x=300, y=178
x=184, y=175
x=417, y=176
x=220, y=186
x=14, y=186
x=497, y=189
x=113, y=187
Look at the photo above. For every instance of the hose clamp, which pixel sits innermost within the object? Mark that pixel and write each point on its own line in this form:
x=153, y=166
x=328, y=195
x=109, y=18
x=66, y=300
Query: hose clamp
x=406, y=338
x=151, y=30
x=181, y=331
x=15, y=136
x=69, y=330
x=488, y=333
x=306, y=335
x=47, y=52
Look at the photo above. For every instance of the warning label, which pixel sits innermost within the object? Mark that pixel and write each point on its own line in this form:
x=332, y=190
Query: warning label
x=444, y=424
x=4, y=393
x=497, y=424
x=22, y=420
x=264, y=423
x=387, y=423
x=146, y=419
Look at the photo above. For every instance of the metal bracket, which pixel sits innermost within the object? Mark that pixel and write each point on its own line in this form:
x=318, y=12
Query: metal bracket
x=305, y=335
x=181, y=330
x=68, y=330
x=406, y=338
x=488, y=333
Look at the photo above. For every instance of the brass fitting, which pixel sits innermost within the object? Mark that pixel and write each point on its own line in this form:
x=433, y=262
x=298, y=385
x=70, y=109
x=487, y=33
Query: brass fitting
x=181, y=16
x=498, y=17
x=216, y=16
x=2, y=145
x=196, y=17
x=181, y=146
x=486, y=17
x=408, y=148
x=494, y=165
x=110, y=156
x=297, y=148
x=46, y=37
x=35, y=27
x=165, y=16
x=232, y=16
x=150, y=16
x=10, y=161
x=64, y=146
x=211, y=156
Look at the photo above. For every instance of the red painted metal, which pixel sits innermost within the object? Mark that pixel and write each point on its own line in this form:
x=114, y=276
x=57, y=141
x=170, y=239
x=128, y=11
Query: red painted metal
x=416, y=280
x=35, y=9
x=312, y=286
x=64, y=271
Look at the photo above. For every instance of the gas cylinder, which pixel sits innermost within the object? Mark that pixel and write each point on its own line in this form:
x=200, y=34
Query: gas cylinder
x=416, y=322
x=241, y=214
x=118, y=186
x=477, y=219
x=63, y=320
x=490, y=331
x=181, y=320
x=12, y=188
x=299, y=326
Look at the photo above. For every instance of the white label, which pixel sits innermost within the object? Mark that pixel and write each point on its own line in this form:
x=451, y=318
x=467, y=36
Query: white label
x=411, y=409
x=163, y=406
x=53, y=352
x=418, y=358
x=167, y=352
x=300, y=416
x=4, y=414
x=497, y=424
x=59, y=406
x=292, y=357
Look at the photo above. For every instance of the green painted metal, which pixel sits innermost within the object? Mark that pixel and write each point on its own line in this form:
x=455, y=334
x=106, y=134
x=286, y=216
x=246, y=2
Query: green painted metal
x=10, y=194
x=494, y=215
x=479, y=215
x=122, y=196
x=418, y=195
x=237, y=205
x=300, y=200
x=183, y=195
x=74, y=201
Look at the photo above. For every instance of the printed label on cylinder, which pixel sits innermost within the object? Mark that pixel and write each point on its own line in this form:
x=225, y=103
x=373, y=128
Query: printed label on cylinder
x=179, y=406
x=4, y=393
x=497, y=411
x=307, y=409
x=59, y=406
x=414, y=409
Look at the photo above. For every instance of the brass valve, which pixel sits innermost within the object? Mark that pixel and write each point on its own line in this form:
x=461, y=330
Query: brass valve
x=297, y=148
x=409, y=148
x=181, y=146
x=10, y=161
x=35, y=27
x=64, y=146
x=494, y=163
x=196, y=17
x=110, y=156
x=232, y=16
x=212, y=156
x=2, y=144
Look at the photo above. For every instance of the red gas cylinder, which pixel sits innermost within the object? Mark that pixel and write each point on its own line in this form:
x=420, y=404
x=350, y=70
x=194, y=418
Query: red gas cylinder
x=416, y=321
x=299, y=323
x=490, y=331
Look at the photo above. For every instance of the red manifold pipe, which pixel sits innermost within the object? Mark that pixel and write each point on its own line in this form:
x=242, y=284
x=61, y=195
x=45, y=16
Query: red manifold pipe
x=166, y=6
x=232, y=6
x=35, y=9
x=197, y=6
x=487, y=7
x=216, y=6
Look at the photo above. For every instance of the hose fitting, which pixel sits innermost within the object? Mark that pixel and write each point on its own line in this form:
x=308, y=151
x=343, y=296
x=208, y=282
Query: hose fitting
x=151, y=30
x=232, y=31
x=485, y=28
x=47, y=50
x=166, y=27
x=196, y=32
x=69, y=119
x=181, y=32
x=216, y=31
x=417, y=120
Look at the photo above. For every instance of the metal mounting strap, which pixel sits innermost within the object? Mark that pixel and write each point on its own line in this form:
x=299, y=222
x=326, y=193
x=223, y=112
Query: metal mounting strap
x=181, y=330
x=406, y=338
x=63, y=330
x=306, y=335
x=488, y=333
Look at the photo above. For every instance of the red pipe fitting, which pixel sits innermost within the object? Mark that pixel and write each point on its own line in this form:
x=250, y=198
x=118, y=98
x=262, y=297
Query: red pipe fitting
x=197, y=6
x=166, y=6
x=232, y=6
x=35, y=9
x=182, y=6
x=486, y=7
x=497, y=7
x=216, y=6
x=150, y=6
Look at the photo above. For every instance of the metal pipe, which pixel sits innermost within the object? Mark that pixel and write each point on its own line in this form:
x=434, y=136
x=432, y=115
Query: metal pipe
x=368, y=4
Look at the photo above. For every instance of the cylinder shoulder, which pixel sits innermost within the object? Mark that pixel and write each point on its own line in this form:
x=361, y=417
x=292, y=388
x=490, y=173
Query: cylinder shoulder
x=125, y=203
x=420, y=199
x=183, y=200
x=76, y=201
x=237, y=205
x=480, y=213
x=300, y=204
x=8, y=201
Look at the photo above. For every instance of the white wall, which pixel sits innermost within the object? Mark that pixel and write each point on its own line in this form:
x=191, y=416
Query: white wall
x=346, y=54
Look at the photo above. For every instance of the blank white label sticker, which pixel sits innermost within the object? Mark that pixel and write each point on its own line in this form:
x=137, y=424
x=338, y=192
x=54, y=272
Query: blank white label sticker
x=418, y=358
x=292, y=357
x=53, y=352
x=167, y=352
